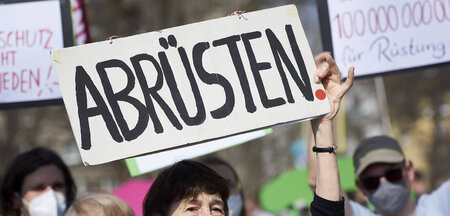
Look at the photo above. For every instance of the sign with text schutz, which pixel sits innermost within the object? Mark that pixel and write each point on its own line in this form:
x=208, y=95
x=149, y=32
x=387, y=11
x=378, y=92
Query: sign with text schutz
x=29, y=30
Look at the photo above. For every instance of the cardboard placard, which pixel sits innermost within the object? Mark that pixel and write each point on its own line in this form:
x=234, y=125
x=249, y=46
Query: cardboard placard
x=29, y=30
x=188, y=84
x=384, y=36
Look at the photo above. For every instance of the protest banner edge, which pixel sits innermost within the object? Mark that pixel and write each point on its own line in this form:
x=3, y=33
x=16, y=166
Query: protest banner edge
x=327, y=45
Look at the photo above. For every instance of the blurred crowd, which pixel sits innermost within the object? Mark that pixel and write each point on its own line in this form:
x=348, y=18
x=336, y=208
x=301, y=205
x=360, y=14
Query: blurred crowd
x=38, y=183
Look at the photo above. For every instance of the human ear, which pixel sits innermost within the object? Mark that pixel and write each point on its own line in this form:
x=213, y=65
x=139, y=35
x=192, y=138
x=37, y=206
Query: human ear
x=361, y=187
x=16, y=200
x=409, y=168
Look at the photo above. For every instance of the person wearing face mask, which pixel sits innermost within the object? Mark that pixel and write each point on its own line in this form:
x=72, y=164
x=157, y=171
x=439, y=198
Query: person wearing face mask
x=37, y=183
x=236, y=200
x=386, y=178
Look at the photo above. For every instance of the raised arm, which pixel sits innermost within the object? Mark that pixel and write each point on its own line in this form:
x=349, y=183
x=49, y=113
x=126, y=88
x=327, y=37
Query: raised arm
x=328, y=185
x=319, y=60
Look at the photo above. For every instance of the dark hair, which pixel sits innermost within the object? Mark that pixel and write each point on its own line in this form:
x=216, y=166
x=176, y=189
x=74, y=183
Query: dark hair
x=26, y=163
x=184, y=179
x=215, y=161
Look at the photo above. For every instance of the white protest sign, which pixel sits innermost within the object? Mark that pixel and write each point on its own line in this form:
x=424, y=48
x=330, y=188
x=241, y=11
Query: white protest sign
x=28, y=32
x=188, y=84
x=147, y=163
x=382, y=36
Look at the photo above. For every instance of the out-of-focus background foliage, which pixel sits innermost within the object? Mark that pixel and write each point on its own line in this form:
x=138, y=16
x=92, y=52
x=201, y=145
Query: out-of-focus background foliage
x=413, y=107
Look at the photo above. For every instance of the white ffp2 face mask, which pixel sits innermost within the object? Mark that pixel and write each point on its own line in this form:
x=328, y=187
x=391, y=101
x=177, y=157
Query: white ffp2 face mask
x=49, y=203
x=235, y=205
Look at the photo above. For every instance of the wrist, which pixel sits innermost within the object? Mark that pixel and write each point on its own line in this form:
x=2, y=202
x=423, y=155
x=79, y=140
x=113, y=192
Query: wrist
x=323, y=133
x=321, y=123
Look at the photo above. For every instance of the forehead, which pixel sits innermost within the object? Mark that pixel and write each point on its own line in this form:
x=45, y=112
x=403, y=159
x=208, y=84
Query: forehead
x=378, y=168
x=45, y=175
x=203, y=199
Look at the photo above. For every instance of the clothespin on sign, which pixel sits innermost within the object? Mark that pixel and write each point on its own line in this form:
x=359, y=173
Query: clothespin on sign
x=239, y=14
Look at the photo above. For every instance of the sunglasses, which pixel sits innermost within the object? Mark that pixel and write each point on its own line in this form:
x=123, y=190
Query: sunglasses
x=372, y=182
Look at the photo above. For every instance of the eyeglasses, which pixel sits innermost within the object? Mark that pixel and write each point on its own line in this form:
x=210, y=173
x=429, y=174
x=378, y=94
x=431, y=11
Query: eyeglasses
x=372, y=182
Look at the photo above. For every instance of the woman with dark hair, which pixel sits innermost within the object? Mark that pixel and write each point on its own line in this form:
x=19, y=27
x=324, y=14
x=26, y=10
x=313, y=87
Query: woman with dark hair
x=191, y=188
x=236, y=200
x=37, y=182
x=187, y=188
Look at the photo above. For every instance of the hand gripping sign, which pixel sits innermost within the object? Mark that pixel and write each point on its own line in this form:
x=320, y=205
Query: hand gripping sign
x=189, y=84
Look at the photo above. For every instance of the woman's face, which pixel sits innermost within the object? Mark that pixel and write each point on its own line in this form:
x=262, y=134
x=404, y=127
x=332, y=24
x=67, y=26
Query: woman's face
x=203, y=204
x=42, y=180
